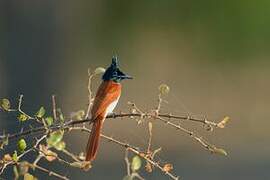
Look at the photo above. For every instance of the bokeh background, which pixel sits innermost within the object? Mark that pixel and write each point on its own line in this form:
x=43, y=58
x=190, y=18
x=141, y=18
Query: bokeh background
x=214, y=55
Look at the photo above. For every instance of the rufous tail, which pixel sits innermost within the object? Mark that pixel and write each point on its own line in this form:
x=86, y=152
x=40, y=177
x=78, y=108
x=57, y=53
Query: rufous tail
x=93, y=141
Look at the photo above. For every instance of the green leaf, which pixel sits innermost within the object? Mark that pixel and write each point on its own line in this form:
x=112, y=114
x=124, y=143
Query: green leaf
x=28, y=176
x=79, y=115
x=5, y=104
x=15, y=156
x=23, y=117
x=49, y=120
x=41, y=112
x=21, y=145
x=220, y=151
x=85, y=165
x=164, y=89
x=99, y=70
x=60, y=146
x=61, y=116
x=55, y=137
x=16, y=173
x=4, y=142
x=128, y=177
x=136, y=163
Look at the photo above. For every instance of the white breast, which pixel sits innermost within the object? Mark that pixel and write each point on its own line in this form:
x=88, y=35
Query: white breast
x=111, y=107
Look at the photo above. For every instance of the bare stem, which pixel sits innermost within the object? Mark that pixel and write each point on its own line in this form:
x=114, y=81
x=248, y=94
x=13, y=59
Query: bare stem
x=50, y=173
x=54, y=107
x=150, y=126
x=127, y=162
x=90, y=76
x=204, y=143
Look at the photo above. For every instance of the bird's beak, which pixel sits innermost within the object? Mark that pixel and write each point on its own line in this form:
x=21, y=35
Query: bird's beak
x=126, y=77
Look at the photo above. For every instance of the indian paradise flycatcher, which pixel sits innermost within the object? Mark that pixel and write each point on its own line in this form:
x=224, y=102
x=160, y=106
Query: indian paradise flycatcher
x=105, y=101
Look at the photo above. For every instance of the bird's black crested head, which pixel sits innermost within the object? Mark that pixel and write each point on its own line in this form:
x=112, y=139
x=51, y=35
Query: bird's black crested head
x=113, y=72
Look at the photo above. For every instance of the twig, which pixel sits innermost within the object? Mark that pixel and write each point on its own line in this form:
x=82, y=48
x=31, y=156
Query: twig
x=20, y=107
x=70, y=155
x=159, y=103
x=150, y=127
x=133, y=149
x=127, y=162
x=204, y=143
x=153, y=163
x=90, y=76
x=44, y=154
x=5, y=165
x=50, y=173
x=38, y=158
x=20, y=104
x=54, y=107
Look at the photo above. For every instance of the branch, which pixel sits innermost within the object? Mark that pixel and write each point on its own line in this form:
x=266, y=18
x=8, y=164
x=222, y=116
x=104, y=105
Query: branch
x=133, y=149
x=73, y=122
x=50, y=173
x=53, y=132
x=90, y=76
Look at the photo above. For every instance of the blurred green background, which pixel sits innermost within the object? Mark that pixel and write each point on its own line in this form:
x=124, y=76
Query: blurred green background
x=213, y=54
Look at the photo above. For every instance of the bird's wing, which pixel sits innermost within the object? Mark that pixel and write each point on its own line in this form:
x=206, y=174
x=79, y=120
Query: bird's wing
x=107, y=93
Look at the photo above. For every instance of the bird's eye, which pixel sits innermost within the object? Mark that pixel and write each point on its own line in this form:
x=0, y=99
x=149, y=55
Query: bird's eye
x=114, y=74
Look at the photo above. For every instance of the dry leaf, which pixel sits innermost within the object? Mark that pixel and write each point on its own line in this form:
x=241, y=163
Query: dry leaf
x=7, y=158
x=86, y=165
x=148, y=167
x=48, y=154
x=167, y=167
x=222, y=123
x=23, y=167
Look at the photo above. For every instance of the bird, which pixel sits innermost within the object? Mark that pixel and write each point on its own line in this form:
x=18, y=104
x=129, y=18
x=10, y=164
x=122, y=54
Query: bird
x=105, y=101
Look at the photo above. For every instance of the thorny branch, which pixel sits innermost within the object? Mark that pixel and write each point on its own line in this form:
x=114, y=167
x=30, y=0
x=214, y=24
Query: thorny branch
x=135, y=150
x=45, y=131
x=70, y=125
x=121, y=115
